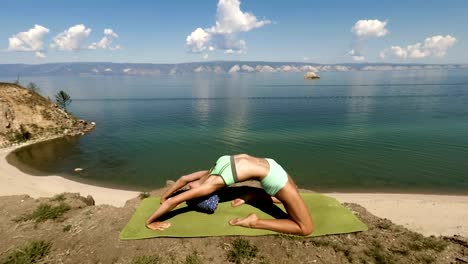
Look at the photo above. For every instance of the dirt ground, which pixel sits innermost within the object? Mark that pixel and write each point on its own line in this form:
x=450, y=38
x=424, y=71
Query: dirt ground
x=89, y=234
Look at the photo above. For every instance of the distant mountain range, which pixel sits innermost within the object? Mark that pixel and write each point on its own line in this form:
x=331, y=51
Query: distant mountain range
x=218, y=67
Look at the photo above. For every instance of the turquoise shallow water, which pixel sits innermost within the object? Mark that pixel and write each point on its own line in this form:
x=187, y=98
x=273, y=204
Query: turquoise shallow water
x=404, y=131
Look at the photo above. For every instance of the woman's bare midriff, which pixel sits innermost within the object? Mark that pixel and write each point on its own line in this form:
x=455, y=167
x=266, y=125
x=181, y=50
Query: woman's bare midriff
x=251, y=168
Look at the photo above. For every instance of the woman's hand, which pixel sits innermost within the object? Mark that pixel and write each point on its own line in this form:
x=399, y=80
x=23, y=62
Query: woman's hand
x=158, y=225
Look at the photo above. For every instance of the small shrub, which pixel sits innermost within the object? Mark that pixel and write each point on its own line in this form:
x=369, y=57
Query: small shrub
x=31, y=253
x=66, y=228
x=419, y=242
x=435, y=244
x=20, y=135
x=58, y=198
x=44, y=212
x=193, y=258
x=33, y=87
x=424, y=258
x=144, y=195
x=147, y=260
x=241, y=249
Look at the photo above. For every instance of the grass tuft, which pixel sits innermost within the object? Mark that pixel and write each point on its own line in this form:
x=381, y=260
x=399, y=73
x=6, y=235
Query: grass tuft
x=419, y=242
x=66, y=228
x=241, y=249
x=31, y=253
x=193, y=258
x=44, y=212
x=147, y=260
x=20, y=135
x=378, y=253
x=58, y=198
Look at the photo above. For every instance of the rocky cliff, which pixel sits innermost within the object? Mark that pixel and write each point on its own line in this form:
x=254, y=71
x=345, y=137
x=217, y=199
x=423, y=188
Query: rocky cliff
x=26, y=115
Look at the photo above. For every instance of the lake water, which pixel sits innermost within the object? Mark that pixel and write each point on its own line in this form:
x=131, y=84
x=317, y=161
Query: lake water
x=397, y=131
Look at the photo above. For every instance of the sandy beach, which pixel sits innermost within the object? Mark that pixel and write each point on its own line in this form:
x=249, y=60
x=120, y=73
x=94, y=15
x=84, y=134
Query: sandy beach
x=426, y=214
x=13, y=182
x=423, y=213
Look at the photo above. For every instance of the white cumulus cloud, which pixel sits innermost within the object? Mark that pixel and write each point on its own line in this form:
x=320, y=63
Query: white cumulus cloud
x=106, y=41
x=31, y=40
x=435, y=46
x=230, y=19
x=363, y=30
x=71, y=39
x=370, y=28
x=199, y=40
x=357, y=56
x=40, y=55
x=230, y=22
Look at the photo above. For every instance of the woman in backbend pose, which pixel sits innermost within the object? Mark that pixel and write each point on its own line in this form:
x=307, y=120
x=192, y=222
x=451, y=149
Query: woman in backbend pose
x=232, y=169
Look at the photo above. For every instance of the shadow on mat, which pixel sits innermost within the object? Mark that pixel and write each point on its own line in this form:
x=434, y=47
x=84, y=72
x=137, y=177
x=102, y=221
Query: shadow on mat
x=257, y=197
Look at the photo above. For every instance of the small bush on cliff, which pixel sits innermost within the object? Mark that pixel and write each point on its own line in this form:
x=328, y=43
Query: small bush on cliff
x=44, y=212
x=241, y=249
x=20, y=135
x=33, y=87
x=31, y=253
x=63, y=99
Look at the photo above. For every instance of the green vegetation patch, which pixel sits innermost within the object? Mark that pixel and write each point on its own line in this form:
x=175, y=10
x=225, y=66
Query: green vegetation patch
x=31, y=253
x=44, y=212
x=418, y=242
x=20, y=135
x=241, y=249
x=147, y=260
x=58, y=198
x=193, y=258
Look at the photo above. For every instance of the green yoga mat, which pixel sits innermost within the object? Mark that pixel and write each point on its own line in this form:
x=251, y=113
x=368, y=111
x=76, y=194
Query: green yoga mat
x=329, y=217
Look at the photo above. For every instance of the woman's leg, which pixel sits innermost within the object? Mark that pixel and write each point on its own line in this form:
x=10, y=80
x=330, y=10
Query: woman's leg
x=252, y=196
x=206, y=188
x=299, y=222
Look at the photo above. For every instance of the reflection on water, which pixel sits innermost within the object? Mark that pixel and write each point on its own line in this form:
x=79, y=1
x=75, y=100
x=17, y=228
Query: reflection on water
x=357, y=131
x=42, y=158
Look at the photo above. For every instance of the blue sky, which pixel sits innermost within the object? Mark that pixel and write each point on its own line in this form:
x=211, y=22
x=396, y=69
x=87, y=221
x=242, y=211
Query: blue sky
x=157, y=31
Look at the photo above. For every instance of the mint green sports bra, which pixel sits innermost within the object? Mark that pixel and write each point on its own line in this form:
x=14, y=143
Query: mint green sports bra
x=225, y=167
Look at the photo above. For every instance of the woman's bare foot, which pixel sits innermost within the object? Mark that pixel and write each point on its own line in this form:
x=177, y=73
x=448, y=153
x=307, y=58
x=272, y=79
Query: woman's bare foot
x=158, y=225
x=248, y=221
x=237, y=202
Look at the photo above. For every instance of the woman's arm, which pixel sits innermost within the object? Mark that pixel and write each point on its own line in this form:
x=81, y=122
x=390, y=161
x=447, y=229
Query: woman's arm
x=172, y=202
x=181, y=182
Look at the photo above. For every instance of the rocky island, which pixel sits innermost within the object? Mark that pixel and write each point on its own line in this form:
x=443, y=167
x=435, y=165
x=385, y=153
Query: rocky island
x=311, y=76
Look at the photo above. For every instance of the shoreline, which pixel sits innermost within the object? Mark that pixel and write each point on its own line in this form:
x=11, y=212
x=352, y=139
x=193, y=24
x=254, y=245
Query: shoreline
x=15, y=182
x=429, y=214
